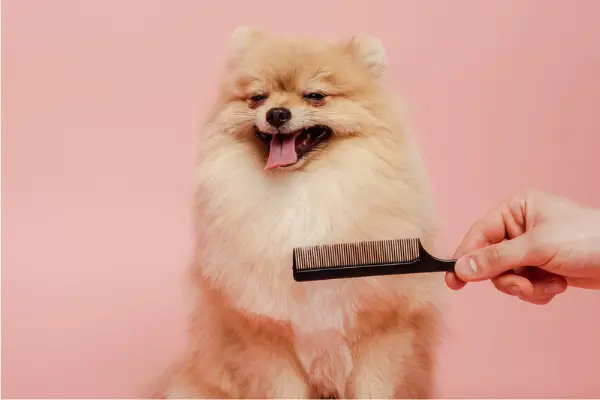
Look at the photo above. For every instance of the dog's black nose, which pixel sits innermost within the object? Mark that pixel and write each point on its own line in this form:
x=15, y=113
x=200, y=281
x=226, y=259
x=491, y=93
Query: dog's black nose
x=278, y=116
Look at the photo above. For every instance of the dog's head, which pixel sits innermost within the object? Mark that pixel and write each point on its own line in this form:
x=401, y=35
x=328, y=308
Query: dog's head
x=293, y=100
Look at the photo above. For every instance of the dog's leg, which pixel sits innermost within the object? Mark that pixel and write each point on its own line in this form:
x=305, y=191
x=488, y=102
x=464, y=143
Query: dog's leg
x=327, y=358
x=190, y=387
x=197, y=392
x=287, y=383
x=389, y=365
x=272, y=374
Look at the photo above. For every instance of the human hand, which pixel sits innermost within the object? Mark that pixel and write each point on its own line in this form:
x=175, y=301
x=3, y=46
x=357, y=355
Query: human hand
x=532, y=245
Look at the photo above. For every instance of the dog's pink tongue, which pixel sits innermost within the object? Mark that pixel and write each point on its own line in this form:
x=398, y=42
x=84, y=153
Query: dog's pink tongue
x=283, y=151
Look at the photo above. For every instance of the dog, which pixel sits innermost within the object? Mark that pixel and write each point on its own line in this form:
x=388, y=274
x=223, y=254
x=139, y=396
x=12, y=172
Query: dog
x=304, y=146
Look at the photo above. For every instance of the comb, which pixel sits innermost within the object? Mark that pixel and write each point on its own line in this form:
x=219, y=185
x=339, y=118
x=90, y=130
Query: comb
x=374, y=258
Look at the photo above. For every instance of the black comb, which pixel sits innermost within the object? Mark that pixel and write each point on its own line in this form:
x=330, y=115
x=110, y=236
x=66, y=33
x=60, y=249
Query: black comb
x=374, y=258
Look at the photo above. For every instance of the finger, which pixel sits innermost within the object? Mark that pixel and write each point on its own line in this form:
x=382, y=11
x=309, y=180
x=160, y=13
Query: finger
x=522, y=288
x=549, y=286
x=488, y=230
x=534, y=285
x=544, y=283
x=453, y=282
x=513, y=285
x=584, y=283
x=492, y=261
x=507, y=220
x=539, y=302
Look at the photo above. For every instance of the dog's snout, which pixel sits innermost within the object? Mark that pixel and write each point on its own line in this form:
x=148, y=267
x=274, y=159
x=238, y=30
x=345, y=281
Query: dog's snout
x=278, y=116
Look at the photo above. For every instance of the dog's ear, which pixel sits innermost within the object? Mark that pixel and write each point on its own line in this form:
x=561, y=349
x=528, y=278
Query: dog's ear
x=370, y=51
x=241, y=38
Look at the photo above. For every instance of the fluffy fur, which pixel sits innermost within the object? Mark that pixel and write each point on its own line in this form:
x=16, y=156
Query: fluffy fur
x=255, y=333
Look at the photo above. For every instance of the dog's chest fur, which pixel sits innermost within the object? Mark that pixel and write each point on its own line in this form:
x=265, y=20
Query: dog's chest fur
x=246, y=250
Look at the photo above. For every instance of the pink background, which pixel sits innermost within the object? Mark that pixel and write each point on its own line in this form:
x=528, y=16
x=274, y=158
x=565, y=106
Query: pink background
x=101, y=104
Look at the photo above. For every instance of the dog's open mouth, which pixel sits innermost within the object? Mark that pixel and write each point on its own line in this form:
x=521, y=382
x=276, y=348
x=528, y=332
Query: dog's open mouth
x=288, y=149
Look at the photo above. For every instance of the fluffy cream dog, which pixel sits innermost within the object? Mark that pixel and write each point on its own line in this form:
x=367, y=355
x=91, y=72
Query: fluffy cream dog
x=306, y=146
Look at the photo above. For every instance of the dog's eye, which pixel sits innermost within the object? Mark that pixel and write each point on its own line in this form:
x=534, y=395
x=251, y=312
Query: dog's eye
x=258, y=98
x=315, y=96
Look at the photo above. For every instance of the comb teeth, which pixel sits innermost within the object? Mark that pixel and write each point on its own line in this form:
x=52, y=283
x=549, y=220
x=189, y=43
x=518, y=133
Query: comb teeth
x=353, y=254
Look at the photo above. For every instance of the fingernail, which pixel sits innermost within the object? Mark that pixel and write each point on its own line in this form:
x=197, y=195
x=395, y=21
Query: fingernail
x=473, y=268
x=554, y=287
x=514, y=290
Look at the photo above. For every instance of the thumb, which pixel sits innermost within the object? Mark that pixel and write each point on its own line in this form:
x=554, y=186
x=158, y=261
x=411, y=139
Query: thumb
x=491, y=261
